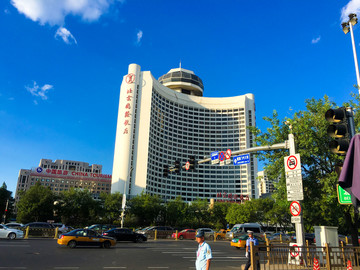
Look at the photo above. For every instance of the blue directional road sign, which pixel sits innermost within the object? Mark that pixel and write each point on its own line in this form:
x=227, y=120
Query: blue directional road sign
x=214, y=155
x=243, y=159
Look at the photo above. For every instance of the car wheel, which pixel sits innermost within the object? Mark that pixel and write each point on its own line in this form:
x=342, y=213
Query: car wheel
x=218, y=237
x=106, y=244
x=181, y=237
x=12, y=236
x=72, y=244
x=237, y=247
x=211, y=237
x=139, y=240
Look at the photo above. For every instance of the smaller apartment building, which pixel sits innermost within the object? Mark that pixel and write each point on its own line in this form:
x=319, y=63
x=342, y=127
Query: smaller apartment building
x=265, y=185
x=62, y=175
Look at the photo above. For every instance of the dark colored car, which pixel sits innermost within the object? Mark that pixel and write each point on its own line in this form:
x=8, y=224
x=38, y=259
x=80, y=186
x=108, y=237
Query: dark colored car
x=39, y=225
x=43, y=229
x=85, y=237
x=310, y=237
x=100, y=228
x=161, y=231
x=122, y=234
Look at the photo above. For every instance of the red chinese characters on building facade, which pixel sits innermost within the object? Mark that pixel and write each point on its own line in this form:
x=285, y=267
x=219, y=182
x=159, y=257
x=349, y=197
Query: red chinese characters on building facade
x=128, y=106
x=74, y=174
x=229, y=197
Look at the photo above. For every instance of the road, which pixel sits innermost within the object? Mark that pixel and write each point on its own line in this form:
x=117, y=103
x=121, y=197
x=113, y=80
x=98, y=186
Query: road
x=161, y=254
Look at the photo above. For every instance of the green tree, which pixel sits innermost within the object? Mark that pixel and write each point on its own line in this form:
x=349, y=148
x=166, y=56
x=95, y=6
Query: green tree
x=6, y=199
x=320, y=205
x=176, y=212
x=35, y=204
x=218, y=214
x=147, y=209
x=198, y=213
x=77, y=208
x=242, y=213
x=112, y=206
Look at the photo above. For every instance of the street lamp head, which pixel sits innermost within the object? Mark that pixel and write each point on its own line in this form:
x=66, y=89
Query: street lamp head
x=345, y=27
x=353, y=18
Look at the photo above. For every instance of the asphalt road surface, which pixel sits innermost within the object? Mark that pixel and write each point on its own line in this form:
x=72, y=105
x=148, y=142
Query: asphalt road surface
x=161, y=254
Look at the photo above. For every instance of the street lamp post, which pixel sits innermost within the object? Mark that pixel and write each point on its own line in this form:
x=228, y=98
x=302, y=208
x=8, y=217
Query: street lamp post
x=348, y=27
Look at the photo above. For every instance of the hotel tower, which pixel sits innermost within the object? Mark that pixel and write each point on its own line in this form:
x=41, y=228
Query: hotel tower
x=167, y=120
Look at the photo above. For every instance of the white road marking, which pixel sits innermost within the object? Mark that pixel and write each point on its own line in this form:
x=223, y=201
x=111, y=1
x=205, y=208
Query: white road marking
x=13, y=245
x=66, y=267
x=114, y=267
x=10, y=267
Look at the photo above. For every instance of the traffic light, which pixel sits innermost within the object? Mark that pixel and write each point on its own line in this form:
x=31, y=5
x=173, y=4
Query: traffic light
x=177, y=167
x=341, y=129
x=166, y=171
x=192, y=162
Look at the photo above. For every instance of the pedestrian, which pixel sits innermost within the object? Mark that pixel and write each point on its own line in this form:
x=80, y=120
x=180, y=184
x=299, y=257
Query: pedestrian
x=248, y=253
x=203, y=254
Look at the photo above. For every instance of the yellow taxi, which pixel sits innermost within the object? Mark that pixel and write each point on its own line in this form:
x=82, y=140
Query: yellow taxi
x=240, y=241
x=85, y=237
x=221, y=234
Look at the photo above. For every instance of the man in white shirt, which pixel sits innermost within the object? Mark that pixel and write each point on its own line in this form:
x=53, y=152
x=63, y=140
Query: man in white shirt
x=203, y=254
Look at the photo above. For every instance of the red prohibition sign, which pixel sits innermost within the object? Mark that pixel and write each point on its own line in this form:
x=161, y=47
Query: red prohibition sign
x=295, y=208
x=228, y=154
x=292, y=162
x=295, y=253
x=221, y=156
x=130, y=78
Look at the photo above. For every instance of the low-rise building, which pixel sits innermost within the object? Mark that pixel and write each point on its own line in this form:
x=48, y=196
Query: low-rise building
x=61, y=175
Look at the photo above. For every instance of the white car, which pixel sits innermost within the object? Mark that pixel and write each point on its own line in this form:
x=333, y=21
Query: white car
x=8, y=233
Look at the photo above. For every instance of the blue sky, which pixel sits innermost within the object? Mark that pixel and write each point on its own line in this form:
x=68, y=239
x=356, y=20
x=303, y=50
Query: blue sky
x=62, y=63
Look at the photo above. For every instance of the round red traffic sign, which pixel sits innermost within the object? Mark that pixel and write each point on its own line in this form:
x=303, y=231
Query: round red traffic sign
x=228, y=154
x=295, y=208
x=292, y=162
x=221, y=156
x=130, y=78
x=295, y=251
x=187, y=165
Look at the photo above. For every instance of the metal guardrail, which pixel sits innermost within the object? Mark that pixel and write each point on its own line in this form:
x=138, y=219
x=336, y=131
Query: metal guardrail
x=274, y=257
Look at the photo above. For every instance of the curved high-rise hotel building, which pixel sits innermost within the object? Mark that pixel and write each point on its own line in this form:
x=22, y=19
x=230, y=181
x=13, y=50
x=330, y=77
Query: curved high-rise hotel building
x=161, y=121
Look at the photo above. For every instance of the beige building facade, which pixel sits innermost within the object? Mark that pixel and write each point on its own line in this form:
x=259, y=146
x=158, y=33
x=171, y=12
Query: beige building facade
x=61, y=175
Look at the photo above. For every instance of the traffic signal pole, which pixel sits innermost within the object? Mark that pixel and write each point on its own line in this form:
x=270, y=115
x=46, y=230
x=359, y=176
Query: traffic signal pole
x=289, y=144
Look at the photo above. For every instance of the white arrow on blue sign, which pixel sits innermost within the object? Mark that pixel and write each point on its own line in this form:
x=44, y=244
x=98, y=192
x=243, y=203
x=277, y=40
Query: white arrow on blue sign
x=243, y=159
x=214, y=155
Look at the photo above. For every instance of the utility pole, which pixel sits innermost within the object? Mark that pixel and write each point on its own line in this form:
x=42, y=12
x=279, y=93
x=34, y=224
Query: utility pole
x=5, y=212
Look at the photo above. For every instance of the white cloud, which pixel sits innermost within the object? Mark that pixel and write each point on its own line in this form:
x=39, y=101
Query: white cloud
x=53, y=12
x=315, y=40
x=352, y=7
x=38, y=91
x=139, y=36
x=66, y=36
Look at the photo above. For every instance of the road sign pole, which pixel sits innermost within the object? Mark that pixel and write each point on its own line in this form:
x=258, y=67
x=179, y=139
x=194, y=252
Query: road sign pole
x=299, y=227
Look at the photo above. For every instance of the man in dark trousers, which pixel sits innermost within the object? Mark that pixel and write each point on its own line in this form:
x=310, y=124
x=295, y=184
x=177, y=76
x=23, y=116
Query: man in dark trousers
x=248, y=253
